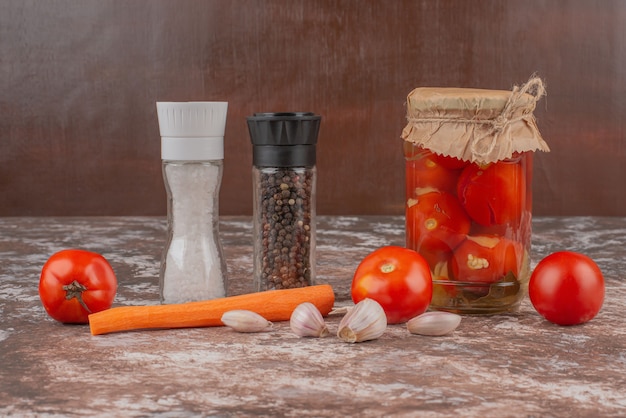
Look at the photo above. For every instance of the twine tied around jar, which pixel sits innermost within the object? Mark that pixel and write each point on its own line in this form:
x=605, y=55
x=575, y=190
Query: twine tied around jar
x=534, y=87
x=473, y=124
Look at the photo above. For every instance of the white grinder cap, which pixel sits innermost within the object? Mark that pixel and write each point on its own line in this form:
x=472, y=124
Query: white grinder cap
x=192, y=130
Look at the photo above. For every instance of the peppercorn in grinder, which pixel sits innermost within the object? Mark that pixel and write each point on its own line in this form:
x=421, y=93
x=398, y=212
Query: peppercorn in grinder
x=284, y=177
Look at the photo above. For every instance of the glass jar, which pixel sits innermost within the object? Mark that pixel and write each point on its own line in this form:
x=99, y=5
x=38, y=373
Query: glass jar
x=284, y=186
x=193, y=266
x=468, y=166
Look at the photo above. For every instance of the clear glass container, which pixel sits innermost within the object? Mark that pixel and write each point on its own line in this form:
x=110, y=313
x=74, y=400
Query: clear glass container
x=284, y=178
x=284, y=227
x=468, y=175
x=192, y=152
x=193, y=266
x=472, y=224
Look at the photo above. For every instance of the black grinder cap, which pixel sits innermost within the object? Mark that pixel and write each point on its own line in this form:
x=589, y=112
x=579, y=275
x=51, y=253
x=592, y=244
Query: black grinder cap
x=285, y=139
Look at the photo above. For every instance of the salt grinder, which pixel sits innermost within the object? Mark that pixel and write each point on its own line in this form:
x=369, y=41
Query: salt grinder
x=192, y=151
x=284, y=180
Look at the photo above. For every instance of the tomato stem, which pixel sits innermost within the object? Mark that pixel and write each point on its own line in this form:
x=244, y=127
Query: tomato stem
x=75, y=290
x=387, y=267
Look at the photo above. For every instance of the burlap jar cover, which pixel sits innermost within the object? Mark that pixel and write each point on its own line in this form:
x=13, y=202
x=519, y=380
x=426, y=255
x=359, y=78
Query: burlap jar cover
x=480, y=126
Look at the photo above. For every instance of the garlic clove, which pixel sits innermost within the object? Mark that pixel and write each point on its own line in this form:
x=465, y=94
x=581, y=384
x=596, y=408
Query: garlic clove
x=307, y=321
x=435, y=323
x=242, y=320
x=366, y=321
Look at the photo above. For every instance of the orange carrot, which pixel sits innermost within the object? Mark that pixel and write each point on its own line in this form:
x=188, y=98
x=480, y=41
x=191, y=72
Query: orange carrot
x=273, y=305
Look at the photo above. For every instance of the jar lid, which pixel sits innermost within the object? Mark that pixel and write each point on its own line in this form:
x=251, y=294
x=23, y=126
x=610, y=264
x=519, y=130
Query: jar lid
x=284, y=139
x=475, y=125
x=192, y=130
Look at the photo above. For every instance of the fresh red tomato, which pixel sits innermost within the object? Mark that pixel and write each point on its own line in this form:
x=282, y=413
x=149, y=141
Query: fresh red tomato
x=493, y=194
x=396, y=277
x=486, y=259
x=428, y=171
x=76, y=283
x=567, y=288
x=435, y=222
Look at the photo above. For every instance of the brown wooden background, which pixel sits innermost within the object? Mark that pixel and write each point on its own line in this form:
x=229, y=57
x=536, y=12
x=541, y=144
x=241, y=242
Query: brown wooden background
x=79, y=81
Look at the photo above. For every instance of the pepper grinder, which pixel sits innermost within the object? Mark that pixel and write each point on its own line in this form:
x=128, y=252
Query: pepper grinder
x=284, y=180
x=192, y=152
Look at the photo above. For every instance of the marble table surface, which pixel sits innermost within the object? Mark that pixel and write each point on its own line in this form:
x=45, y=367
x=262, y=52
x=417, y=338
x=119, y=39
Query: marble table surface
x=514, y=365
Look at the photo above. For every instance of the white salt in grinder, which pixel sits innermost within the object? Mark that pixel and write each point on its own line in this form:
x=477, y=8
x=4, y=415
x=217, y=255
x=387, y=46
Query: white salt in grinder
x=192, y=150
